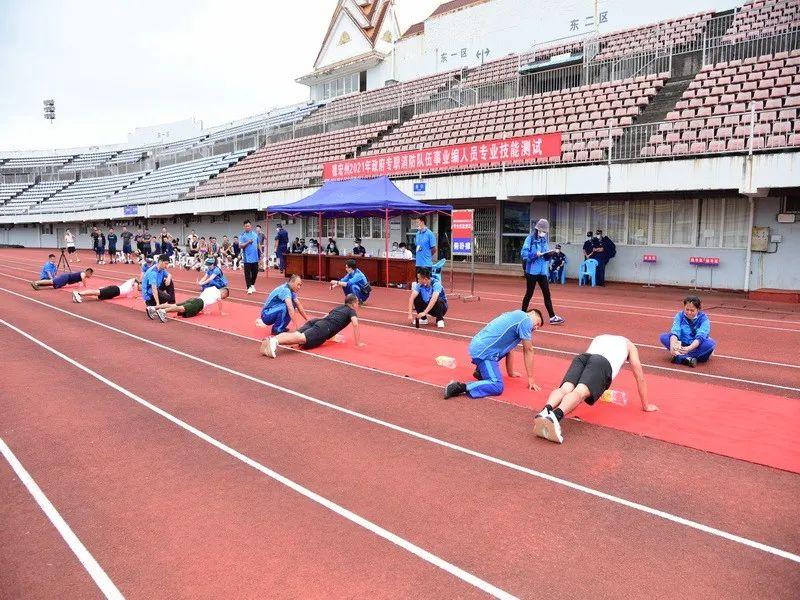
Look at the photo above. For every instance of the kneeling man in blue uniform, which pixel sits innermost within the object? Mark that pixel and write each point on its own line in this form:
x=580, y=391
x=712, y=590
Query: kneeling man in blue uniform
x=354, y=282
x=496, y=341
x=282, y=305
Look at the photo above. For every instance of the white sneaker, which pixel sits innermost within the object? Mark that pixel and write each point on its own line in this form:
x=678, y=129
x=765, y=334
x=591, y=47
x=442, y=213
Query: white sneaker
x=272, y=347
x=440, y=323
x=162, y=315
x=549, y=429
x=423, y=321
x=250, y=290
x=151, y=312
x=76, y=297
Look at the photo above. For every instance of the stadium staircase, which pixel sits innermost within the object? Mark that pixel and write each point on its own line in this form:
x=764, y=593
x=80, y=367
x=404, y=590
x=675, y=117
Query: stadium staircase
x=364, y=147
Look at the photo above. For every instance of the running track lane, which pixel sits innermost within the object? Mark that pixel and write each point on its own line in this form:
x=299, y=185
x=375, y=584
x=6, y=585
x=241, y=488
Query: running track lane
x=501, y=492
x=170, y=516
x=446, y=419
x=765, y=345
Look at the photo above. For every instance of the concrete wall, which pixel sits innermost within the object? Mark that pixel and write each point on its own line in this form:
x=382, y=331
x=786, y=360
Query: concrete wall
x=778, y=268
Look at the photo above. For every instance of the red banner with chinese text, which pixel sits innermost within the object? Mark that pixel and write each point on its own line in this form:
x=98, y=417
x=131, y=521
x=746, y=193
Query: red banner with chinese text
x=473, y=155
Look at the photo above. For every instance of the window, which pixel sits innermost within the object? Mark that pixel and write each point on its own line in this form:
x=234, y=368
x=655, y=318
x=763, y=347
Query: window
x=345, y=229
x=366, y=228
x=46, y=228
x=638, y=222
x=378, y=225
x=310, y=227
x=737, y=222
x=673, y=222
x=580, y=213
x=516, y=218
x=662, y=221
x=330, y=228
x=559, y=223
x=615, y=226
x=710, y=233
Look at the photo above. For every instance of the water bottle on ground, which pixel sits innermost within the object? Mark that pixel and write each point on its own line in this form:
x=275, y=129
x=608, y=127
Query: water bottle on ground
x=339, y=338
x=617, y=397
x=446, y=361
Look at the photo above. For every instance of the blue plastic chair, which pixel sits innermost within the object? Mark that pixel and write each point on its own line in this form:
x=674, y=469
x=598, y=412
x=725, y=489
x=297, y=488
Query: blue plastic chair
x=436, y=270
x=588, y=268
x=563, y=271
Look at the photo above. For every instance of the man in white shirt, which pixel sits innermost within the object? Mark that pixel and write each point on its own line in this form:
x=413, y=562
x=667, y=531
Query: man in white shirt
x=587, y=379
x=69, y=242
x=191, y=307
x=126, y=289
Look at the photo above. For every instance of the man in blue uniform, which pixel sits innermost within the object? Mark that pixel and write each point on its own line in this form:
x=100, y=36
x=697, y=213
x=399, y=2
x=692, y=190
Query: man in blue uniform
x=495, y=341
x=425, y=243
x=281, y=246
x=248, y=242
x=282, y=305
x=213, y=276
x=427, y=298
x=49, y=269
x=354, y=282
x=689, y=340
x=60, y=281
x=156, y=284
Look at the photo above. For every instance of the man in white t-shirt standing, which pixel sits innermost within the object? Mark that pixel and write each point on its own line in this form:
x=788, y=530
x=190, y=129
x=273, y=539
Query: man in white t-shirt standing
x=69, y=243
x=126, y=289
x=587, y=379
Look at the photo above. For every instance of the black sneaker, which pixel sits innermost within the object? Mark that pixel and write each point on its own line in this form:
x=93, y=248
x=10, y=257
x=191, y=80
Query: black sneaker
x=454, y=388
x=691, y=362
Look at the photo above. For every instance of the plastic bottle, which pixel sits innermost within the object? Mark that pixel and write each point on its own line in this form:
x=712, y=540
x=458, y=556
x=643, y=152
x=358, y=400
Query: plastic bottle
x=617, y=397
x=339, y=338
x=446, y=361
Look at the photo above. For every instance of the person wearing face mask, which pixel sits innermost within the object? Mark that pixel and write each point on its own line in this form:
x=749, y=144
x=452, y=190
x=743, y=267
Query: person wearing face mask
x=688, y=341
x=592, y=248
x=609, y=251
x=535, y=254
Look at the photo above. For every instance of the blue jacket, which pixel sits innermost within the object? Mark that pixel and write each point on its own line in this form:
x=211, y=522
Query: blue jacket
x=688, y=331
x=48, y=271
x=535, y=265
x=355, y=277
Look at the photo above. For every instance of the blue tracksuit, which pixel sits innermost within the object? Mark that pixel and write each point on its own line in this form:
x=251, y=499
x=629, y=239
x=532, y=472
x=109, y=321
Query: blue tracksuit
x=48, y=271
x=275, y=312
x=490, y=344
x=356, y=282
x=218, y=280
x=535, y=265
x=687, y=331
x=426, y=242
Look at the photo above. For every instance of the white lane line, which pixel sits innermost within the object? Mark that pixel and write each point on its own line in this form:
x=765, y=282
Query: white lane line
x=304, y=491
x=482, y=323
x=690, y=373
x=564, y=304
x=88, y=561
x=422, y=436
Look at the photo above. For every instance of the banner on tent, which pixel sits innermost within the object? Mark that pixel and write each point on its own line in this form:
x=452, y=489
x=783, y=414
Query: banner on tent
x=523, y=149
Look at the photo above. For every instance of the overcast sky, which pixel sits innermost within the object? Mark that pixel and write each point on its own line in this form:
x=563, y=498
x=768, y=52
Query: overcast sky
x=113, y=65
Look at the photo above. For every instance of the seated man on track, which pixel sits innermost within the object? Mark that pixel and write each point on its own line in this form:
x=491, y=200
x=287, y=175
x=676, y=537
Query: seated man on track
x=60, y=281
x=354, y=282
x=587, y=379
x=427, y=298
x=191, y=307
x=213, y=276
x=126, y=289
x=495, y=341
x=316, y=332
x=689, y=341
x=157, y=286
x=49, y=269
x=282, y=306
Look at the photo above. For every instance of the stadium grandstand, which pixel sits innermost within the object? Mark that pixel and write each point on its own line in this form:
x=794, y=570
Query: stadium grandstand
x=676, y=137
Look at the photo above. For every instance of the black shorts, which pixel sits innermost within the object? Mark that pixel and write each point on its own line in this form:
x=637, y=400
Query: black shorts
x=108, y=292
x=317, y=332
x=71, y=249
x=163, y=298
x=593, y=371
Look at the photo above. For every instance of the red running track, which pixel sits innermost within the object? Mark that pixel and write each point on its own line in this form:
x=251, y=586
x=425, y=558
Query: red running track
x=149, y=501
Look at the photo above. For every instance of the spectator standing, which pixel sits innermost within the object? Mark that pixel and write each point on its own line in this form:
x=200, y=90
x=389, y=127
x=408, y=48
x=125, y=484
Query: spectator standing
x=281, y=246
x=112, y=245
x=138, y=240
x=127, y=249
x=147, y=242
x=426, y=244
x=262, y=248
x=535, y=254
x=609, y=251
x=69, y=244
x=95, y=235
x=248, y=241
x=100, y=249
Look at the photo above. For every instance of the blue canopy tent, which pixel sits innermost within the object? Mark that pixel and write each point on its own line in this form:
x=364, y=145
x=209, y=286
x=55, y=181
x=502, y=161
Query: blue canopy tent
x=378, y=197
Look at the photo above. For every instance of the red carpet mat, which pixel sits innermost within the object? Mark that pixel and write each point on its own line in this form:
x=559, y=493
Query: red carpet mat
x=755, y=427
